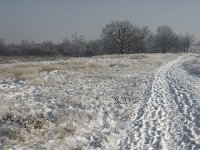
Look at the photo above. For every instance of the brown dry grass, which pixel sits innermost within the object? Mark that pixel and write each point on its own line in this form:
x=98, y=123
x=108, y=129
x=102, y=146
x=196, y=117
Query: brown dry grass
x=78, y=64
x=17, y=71
x=30, y=71
x=17, y=59
x=20, y=67
x=48, y=68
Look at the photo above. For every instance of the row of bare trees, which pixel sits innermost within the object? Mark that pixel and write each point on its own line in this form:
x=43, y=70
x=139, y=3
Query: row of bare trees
x=124, y=37
x=166, y=39
x=116, y=37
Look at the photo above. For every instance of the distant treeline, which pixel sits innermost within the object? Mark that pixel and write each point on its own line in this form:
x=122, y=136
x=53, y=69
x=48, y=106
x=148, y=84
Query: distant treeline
x=117, y=37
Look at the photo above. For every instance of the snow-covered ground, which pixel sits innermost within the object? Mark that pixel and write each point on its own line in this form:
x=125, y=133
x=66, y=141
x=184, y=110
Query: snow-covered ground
x=141, y=101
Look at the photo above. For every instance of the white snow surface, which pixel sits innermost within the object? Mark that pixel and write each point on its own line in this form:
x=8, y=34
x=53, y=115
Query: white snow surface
x=125, y=102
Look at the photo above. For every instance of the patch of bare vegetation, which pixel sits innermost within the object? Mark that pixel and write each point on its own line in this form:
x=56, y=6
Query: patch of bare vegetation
x=49, y=68
x=20, y=59
x=138, y=56
x=126, y=98
x=28, y=122
x=33, y=130
x=15, y=128
x=30, y=71
x=78, y=65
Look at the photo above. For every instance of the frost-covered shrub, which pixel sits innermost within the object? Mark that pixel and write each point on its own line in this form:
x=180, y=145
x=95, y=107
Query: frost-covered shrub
x=127, y=98
x=192, y=67
x=28, y=122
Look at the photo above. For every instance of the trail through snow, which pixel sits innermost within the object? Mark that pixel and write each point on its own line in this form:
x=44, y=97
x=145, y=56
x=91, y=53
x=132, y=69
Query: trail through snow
x=169, y=117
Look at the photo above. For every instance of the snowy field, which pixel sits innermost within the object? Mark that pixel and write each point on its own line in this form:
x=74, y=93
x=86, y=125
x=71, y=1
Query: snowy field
x=126, y=102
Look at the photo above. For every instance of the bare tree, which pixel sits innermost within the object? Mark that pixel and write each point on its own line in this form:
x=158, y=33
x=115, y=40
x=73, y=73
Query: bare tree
x=119, y=36
x=49, y=48
x=149, y=43
x=165, y=39
x=2, y=47
x=64, y=47
x=184, y=41
x=74, y=46
x=78, y=44
x=188, y=39
x=142, y=35
x=94, y=47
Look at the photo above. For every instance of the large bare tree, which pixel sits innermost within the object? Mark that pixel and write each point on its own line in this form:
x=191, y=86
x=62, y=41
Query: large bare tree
x=119, y=36
x=165, y=39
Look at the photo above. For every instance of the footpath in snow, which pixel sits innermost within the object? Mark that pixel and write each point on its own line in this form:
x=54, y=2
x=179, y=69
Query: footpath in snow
x=169, y=117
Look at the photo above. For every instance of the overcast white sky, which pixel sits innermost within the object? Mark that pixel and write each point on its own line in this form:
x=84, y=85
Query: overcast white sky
x=42, y=20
